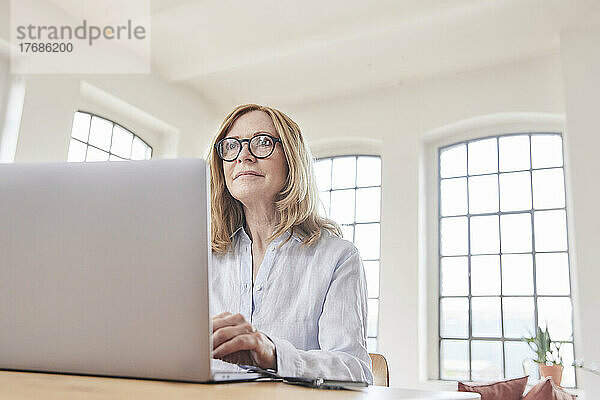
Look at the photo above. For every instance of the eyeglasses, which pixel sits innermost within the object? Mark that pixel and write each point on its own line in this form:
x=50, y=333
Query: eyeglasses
x=260, y=146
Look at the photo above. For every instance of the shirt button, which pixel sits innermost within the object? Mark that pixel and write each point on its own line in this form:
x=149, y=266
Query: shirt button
x=258, y=288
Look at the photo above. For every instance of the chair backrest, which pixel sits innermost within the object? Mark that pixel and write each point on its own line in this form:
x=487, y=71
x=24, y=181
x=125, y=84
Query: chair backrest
x=381, y=373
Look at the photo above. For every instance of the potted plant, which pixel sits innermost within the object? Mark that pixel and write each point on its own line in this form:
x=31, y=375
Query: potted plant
x=547, y=354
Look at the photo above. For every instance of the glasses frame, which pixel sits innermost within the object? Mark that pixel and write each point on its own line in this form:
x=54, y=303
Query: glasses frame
x=218, y=146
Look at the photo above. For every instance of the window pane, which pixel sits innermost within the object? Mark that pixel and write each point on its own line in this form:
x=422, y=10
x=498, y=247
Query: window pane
x=517, y=274
x=368, y=203
x=325, y=201
x=373, y=315
x=515, y=191
x=522, y=178
x=483, y=156
x=455, y=317
x=342, y=206
x=455, y=359
x=550, y=230
x=372, y=273
x=343, y=172
x=485, y=275
x=138, y=149
x=552, y=273
x=76, y=151
x=106, y=141
x=368, y=172
x=516, y=233
x=486, y=316
x=348, y=232
x=519, y=318
x=485, y=235
x=453, y=233
x=453, y=194
x=486, y=362
x=454, y=276
x=514, y=152
x=366, y=239
x=516, y=353
x=121, y=142
x=566, y=352
x=81, y=126
x=100, y=133
x=548, y=188
x=323, y=174
x=546, y=151
x=94, y=154
x=453, y=161
x=372, y=345
x=483, y=194
x=556, y=312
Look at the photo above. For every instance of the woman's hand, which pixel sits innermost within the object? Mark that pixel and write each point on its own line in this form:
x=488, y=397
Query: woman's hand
x=237, y=342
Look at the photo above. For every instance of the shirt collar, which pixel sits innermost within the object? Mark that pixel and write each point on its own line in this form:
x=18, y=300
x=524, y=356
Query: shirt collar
x=235, y=232
x=240, y=232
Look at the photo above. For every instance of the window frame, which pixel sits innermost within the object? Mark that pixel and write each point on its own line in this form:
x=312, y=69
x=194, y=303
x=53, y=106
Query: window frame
x=114, y=123
x=533, y=253
x=476, y=127
x=354, y=223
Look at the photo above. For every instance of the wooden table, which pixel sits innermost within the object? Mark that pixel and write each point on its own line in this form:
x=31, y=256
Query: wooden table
x=25, y=385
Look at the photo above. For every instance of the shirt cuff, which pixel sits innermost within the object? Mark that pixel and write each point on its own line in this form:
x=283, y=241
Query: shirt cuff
x=289, y=363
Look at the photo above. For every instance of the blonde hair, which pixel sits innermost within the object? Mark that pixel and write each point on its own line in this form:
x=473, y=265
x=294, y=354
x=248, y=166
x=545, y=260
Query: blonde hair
x=297, y=204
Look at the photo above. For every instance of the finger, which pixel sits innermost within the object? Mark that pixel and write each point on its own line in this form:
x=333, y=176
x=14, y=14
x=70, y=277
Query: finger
x=226, y=333
x=247, y=341
x=223, y=314
x=243, y=357
x=228, y=320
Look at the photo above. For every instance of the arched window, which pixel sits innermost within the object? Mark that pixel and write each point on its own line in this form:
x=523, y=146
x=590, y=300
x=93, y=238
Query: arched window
x=94, y=138
x=350, y=190
x=503, y=255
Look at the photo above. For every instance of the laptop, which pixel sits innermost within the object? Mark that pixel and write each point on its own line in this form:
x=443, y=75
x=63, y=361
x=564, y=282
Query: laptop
x=104, y=269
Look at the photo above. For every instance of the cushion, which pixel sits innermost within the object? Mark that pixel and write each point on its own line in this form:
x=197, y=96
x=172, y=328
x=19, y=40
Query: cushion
x=547, y=390
x=511, y=389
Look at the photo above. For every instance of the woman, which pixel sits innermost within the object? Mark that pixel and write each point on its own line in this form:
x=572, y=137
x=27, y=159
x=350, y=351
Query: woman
x=287, y=292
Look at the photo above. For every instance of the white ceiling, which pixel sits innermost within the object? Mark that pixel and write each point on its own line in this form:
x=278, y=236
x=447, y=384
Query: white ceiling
x=294, y=51
x=282, y=51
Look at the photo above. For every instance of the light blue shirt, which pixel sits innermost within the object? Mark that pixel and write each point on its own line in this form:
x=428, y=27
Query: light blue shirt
x=311, y=301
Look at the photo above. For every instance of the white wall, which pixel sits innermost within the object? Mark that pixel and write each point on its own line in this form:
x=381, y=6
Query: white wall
x=12, y=93
x=175, y=120
x=4, y=73
x=581, y=66
x=399, y=118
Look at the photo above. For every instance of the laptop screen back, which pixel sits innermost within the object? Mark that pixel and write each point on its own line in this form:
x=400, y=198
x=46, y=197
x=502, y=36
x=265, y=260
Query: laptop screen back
x=104, y=268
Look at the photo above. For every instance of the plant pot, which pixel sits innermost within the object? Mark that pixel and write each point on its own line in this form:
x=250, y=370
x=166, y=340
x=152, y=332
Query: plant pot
x=554, y=371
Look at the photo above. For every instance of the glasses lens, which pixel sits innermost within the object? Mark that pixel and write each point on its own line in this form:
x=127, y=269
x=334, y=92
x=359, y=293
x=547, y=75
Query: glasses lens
x=262, y=145
x=229, y=149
